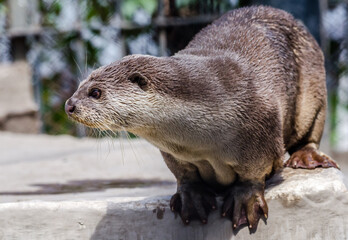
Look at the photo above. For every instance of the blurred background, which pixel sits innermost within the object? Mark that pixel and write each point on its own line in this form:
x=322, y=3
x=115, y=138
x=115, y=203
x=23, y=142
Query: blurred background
x=48, y=46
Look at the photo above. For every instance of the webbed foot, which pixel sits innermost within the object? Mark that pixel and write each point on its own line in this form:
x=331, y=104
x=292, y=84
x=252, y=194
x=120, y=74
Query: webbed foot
x=310, y=158
x=193, y=201
x=245, y=204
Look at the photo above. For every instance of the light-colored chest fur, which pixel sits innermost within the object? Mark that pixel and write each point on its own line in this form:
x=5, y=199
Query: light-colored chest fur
x=212, y=165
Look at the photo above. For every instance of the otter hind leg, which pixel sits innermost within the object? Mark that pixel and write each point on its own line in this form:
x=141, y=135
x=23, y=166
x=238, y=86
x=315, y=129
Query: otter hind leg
x=245, y=204
x=194, y=199
x=305, y=153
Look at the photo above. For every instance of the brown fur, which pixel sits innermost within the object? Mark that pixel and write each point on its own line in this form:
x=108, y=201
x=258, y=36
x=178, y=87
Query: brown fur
x=246, y=89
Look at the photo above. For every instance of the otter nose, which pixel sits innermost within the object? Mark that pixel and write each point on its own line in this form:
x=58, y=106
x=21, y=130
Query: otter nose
x=69, y=107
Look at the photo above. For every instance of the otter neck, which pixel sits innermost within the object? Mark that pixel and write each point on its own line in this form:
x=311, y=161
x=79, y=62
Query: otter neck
x=189, y=105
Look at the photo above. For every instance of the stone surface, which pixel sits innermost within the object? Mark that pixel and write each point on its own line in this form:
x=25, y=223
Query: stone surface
x=18, y=111
x=67, y=188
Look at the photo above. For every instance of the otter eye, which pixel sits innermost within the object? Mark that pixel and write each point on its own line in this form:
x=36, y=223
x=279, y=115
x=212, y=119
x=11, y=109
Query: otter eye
x=95, y=93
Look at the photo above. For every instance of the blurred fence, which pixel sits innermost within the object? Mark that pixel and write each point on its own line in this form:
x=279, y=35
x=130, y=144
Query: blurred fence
x=335, y=47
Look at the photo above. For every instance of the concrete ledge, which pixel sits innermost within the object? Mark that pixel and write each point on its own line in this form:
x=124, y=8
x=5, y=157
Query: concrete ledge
x=303, y=204
x=310, y=213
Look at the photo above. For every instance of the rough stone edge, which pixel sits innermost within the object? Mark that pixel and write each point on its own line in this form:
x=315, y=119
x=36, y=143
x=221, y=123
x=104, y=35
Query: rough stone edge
x=317, y=215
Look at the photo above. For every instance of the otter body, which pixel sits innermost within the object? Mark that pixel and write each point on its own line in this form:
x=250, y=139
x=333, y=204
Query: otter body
x=223, y=111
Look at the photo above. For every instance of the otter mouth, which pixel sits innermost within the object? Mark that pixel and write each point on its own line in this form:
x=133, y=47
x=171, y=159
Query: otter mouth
x=95, y=124
x=94, y=119
x=83, y=121
x=79, y=120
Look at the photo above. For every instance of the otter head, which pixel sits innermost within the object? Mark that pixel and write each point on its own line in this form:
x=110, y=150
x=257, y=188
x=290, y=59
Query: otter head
x=120, y=96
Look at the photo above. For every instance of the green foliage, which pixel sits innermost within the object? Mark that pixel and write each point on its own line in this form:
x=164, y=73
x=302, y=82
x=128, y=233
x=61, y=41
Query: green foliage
x=102, y=9
x=50, y=12
x=333, y=104
x=194, y=7
x=55, y=119
x=184, y=3
x=129, y=7
x=53, y=115
x=2, y=6
x=338, y=69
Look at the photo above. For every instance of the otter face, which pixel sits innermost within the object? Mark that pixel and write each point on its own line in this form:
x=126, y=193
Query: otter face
x=114, y=97
x=86, y=106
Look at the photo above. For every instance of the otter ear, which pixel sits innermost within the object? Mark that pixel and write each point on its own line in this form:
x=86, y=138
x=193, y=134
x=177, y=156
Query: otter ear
x=140, y=80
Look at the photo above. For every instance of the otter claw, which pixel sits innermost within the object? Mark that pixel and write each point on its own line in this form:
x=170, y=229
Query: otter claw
x=245, y=203
x=310, y=158
x=193, y=201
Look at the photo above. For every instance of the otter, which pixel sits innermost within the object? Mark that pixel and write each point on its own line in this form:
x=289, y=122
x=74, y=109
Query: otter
x=223, y=111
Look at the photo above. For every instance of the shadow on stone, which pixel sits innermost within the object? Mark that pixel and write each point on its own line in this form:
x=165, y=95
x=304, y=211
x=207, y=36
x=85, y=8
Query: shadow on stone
x=275, y=180
x=93, y=185
x=152, y=219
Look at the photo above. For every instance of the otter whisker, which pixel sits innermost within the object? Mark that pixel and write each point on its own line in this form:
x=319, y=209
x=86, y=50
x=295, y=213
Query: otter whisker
x=108, y=138
x=99, y=138
x=77, y=66
x=99, y=142
x=96, y=132
x=130, y=144
x=97, y=135
x=120, y=140
x=86, y=66
x=113, y=134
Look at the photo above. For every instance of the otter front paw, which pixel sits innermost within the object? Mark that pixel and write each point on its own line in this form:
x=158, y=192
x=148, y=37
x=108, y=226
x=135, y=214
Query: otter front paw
x=193, y=201
x=310, y=158
x=245, y=204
